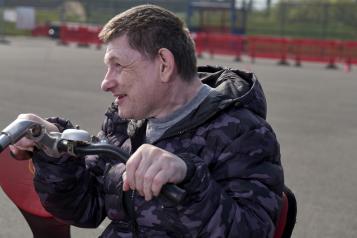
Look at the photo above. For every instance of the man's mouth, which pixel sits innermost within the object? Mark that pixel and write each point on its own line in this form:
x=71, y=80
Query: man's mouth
x=119, y=98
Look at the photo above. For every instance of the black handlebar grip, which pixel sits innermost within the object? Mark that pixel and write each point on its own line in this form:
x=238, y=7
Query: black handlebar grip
x=5, y=141
x=173, y=193
x=14, y=132
x=170, y=191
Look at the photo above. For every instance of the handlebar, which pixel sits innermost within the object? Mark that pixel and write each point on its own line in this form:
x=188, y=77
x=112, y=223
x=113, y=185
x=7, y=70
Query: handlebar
x=170, y=191
x=15, y=131
x=75, y=142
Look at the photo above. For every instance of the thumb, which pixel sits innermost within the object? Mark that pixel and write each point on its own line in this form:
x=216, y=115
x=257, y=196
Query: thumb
x=19, y=154
x=25, y=144
x=126, y=186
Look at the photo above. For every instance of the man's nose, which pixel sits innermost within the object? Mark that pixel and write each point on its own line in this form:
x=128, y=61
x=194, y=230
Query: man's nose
x=108, y=83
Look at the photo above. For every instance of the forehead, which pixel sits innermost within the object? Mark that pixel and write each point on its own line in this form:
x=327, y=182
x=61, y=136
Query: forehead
x=119, y=49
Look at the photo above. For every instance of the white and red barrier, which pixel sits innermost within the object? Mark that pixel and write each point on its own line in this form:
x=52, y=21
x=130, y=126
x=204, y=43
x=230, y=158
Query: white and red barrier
x=83, y=35
x=40, y=30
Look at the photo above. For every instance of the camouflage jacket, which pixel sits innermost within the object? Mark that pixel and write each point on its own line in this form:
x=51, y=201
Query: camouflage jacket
x=234, y=190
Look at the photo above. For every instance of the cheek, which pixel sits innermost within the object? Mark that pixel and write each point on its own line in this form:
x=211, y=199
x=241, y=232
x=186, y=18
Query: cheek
x=143, y=96
x=126, y=80
x=148, y=89
x=141, y=85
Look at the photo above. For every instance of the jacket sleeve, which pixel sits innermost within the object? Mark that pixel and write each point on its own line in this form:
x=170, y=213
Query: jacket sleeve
x=68, y=188
x=238, y=194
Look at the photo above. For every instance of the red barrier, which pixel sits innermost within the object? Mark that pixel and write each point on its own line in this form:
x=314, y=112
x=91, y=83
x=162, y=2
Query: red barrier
x=82, y=35
x=69, y=34
x=92, y=37
x=300, y=50
x=225, y=44
x=311, y=50
x=267, y=47
x=215, y=43
x=200, y=39
x=40, y=30
x=349, y=53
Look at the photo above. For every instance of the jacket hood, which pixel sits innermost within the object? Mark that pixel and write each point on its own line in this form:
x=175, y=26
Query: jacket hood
x=232, y=87
x=235, y=86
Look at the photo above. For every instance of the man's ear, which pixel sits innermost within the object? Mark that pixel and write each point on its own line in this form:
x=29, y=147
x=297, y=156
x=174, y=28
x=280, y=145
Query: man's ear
x=167, y=64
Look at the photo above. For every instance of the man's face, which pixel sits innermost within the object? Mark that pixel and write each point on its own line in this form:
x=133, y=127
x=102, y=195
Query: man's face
x=133, y=79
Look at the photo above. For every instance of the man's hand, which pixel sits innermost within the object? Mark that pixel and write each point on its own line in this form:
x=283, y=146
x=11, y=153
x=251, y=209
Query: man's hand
x=149, y=168
x=21, y=149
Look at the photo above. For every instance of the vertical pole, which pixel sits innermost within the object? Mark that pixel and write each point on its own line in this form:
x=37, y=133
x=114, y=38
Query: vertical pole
x=2, y=23
x=268, y=7
x=1, y=19
x=202, y=19
x=244, y=17
x=233, y=17
x=62, y=12
x=189, y=15
x=87, y=7
x=325, y=20
x=283, y=7
x=111, y=6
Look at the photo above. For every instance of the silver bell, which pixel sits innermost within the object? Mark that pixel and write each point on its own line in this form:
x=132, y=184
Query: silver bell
x=76, y=135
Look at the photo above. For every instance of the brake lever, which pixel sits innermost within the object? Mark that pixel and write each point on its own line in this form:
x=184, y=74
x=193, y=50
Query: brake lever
x=45, y=141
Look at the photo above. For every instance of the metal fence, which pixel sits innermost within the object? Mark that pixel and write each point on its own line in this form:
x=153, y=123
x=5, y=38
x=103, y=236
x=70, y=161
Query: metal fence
x=309, y=20
x=89, y=11
x=284, y=19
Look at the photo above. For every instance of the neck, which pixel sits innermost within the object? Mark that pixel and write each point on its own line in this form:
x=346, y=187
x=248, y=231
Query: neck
x=179, y=92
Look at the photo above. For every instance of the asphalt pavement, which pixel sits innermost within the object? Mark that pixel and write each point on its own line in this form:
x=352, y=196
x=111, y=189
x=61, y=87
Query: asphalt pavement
x=312, y=109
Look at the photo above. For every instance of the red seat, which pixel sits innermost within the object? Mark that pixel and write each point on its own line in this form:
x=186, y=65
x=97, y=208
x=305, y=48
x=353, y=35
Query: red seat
x=16, y=181
x=287, y=217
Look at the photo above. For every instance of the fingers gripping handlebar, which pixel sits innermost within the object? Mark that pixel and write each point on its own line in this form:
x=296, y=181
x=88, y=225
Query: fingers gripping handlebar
x=74, y=142
x=15, y=131
x=170, y=191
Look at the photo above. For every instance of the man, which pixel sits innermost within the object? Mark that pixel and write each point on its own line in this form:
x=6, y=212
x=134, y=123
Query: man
x=205, y=132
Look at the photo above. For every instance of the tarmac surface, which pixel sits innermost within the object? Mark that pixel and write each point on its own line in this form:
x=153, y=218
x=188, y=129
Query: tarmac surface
x=312, y=109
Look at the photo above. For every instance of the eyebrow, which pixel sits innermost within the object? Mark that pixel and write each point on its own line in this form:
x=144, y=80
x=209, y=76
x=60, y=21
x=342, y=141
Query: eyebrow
x=109, y=59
